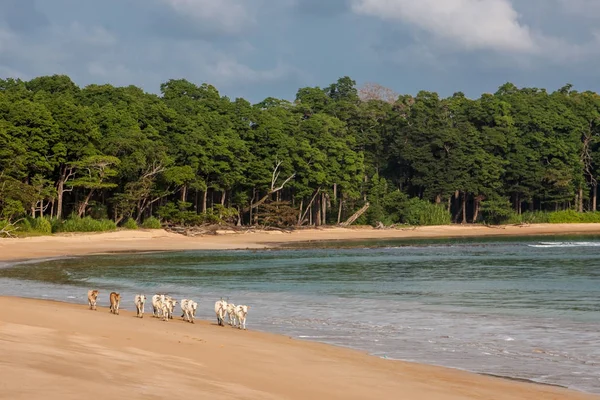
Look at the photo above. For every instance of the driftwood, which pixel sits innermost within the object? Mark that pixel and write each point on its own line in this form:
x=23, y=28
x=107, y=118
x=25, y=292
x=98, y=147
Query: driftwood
x=380, y=225
x=356, y=215
x=207, y=229
x=9, y=228
x=494, y=226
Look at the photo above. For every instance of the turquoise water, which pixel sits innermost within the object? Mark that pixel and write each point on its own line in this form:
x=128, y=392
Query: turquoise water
x=523, y=308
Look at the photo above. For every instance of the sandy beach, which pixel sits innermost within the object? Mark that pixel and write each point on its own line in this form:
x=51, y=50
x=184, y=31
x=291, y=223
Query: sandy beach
x=159, y=240
x=66, y=351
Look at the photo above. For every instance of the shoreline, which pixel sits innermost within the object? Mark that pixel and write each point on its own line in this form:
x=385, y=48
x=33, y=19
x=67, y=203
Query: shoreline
x=337, y=346
x=61, y=245
x=70, y=351
x=73, y=245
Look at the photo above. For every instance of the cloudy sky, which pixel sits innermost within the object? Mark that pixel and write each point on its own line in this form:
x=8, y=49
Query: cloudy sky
x=260, y=48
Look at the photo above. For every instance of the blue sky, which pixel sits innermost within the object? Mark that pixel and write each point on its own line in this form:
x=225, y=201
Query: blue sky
x=261, y=48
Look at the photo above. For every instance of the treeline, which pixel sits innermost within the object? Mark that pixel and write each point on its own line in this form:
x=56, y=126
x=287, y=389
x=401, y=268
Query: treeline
x=191, y=156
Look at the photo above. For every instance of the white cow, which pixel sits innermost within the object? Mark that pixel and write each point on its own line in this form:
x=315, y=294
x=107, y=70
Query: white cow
x=157, y=301
x=230, y=309
x=240, y=313
x=220, y=310
x=189, y=310
x=168, y=307
x=183, y=306
x=139, y=302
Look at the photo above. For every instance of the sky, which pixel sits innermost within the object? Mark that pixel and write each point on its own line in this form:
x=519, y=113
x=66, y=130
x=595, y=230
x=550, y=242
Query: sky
x=260, y=48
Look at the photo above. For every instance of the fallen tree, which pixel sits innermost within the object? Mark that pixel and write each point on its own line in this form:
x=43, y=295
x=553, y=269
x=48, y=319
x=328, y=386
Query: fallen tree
x=355, y=216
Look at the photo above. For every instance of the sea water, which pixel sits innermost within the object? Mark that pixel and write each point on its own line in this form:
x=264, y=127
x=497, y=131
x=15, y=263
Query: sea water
x=526, y=308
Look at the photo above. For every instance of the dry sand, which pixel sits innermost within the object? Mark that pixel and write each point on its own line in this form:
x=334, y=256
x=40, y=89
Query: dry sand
x=151, y=240
x=65, y=351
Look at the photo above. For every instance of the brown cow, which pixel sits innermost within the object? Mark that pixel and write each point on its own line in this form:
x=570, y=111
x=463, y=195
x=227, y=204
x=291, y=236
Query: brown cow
x=115, y=300
x=92, y=297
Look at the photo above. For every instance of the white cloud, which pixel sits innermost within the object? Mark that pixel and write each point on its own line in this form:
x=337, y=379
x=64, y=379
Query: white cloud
x=230, y=16
x=470, y=24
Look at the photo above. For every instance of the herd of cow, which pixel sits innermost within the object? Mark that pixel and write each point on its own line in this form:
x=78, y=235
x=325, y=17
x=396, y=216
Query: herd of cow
x=163, y=307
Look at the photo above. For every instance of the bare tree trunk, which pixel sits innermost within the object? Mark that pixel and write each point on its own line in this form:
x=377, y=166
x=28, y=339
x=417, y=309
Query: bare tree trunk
x=65, y=174
x=42, y=208
x=324, y=209
x=204, y=200
x=356, y=215
x=60, y=189
x=594, y=196
x=52, y=209
x=476, y=203
x=309, y=208
x=339, y=219
x=223, y=197
x=318, y=211
x=580, y=200
x=449, y=203
x=84, y=205
x=334, y=191
x=183, y=193
x=33, y=211
x=438, y=199
x=300, y=214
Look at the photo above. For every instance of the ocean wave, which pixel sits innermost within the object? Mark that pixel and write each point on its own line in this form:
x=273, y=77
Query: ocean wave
x=565, y=244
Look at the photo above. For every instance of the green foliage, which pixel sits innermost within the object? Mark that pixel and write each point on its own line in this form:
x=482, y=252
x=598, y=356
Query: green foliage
x=86, y=224
x=40, y=225
x=421, y=212
x=497, y=210
x=394, y=204
x=572, y=216
x=180, y=214
x=193, y=156
x=545, y=217
x=151, y=223
x=11, y=209
x=130, y=224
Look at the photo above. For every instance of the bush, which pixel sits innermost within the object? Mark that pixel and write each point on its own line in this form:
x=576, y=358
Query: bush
x=180, y=215
x=572, y=216
x=545, y=217
x=87, y=224
x=151, y=223
x=422, y=212
x=35, y=226
x=130, y=224
x=497, y=211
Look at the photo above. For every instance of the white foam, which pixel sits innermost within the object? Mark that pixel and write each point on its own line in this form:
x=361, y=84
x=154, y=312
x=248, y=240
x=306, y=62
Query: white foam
x=565, y=244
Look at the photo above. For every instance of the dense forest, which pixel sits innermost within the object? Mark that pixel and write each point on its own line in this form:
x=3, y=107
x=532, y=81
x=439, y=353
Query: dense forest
x=191, y=156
